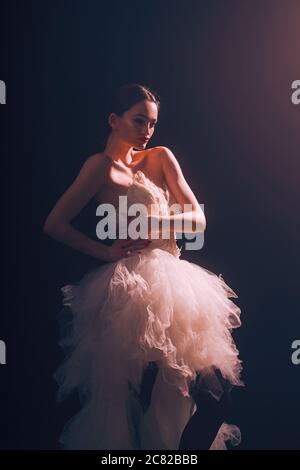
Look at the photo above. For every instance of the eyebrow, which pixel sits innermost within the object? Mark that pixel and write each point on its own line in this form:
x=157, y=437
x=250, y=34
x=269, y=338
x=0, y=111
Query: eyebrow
x=140, y=114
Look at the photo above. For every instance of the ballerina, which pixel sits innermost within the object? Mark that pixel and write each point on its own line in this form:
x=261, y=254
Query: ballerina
x=148, y=342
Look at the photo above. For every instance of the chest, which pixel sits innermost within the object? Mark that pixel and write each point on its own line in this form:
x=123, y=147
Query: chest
x=119, y=181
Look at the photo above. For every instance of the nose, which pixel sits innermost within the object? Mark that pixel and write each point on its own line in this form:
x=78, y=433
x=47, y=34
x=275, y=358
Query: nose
x=147, y=130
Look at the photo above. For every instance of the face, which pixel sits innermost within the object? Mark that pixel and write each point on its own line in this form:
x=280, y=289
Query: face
x=136, y=124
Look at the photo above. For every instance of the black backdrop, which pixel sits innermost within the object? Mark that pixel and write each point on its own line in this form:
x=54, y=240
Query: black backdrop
x=223, y=70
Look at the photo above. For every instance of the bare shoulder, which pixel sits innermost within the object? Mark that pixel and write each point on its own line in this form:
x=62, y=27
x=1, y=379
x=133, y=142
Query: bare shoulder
x=93, y=173
x=164, y=152
x=98, y=162
x=167, y=158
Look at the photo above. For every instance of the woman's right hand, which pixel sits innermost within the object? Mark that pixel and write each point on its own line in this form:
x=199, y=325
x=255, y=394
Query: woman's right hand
x=125, y=248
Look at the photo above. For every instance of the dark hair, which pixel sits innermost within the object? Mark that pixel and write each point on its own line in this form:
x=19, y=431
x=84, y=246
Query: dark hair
x=126, y=96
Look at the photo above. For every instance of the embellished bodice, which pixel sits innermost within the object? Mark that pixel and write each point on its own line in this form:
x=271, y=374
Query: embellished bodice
x=144, y=191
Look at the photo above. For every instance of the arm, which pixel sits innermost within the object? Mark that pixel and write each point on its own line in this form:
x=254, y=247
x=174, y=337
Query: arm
x=194, y=217
x=84, y=187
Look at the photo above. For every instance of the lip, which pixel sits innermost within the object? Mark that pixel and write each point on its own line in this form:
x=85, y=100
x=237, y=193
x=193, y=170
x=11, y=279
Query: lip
x=144, y=139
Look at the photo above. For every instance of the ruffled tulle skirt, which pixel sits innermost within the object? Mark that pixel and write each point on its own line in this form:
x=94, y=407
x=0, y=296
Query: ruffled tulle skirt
x=119, y=317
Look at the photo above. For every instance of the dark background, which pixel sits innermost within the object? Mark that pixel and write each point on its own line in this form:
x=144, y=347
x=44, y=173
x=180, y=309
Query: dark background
x=223, y=70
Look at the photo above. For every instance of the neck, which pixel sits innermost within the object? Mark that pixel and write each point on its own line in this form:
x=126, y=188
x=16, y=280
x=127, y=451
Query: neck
x=119, y=151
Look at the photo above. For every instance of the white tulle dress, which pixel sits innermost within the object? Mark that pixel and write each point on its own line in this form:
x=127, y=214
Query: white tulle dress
x=152, y=306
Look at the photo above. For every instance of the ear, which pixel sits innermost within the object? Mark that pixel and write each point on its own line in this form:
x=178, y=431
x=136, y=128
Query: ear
x=112, y=119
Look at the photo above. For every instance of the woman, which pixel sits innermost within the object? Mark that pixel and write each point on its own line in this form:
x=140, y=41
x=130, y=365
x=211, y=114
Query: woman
x=148, y=345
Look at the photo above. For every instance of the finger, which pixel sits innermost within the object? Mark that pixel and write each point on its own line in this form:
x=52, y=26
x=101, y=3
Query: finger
x=138, y=243
x=127, y=253
x=128, y=243
x=138, y=247
x=133, y=250
x=141, y=242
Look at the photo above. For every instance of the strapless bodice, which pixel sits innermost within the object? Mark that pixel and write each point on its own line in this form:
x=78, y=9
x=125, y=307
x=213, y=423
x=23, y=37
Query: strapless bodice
x=146, y=192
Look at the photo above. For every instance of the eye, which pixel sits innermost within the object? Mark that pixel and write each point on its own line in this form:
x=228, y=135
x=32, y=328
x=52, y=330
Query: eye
x=140, y=121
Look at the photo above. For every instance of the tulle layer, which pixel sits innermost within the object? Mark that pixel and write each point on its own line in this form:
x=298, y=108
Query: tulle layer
x=121, y=316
